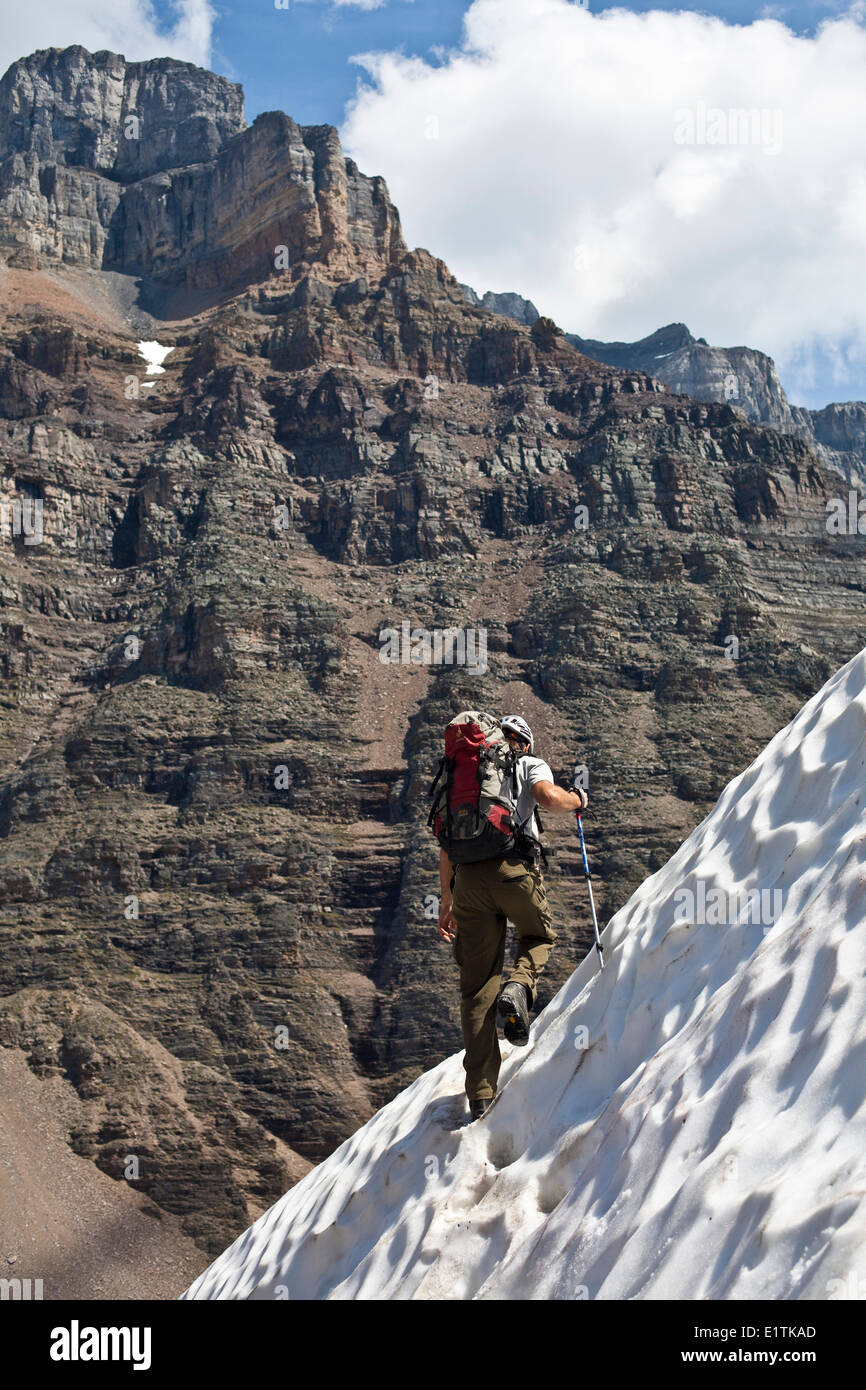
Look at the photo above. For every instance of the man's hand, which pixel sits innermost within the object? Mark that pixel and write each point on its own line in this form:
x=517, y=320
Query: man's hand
x=447, y=924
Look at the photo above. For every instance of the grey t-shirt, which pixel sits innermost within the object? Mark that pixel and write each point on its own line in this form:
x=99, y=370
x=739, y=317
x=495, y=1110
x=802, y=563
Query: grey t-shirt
x=529, y=771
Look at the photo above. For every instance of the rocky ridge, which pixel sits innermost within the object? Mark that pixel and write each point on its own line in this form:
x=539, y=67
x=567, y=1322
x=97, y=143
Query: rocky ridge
x=740, y=376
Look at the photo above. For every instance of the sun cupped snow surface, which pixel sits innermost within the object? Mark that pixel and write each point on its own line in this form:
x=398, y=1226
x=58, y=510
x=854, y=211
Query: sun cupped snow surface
x=688, y=1123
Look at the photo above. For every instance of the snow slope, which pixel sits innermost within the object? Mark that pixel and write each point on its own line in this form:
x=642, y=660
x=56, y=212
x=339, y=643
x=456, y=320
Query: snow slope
x=690, y=1123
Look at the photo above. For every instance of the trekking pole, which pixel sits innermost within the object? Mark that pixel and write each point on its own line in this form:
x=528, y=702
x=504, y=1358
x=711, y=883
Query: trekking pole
x=588, y=876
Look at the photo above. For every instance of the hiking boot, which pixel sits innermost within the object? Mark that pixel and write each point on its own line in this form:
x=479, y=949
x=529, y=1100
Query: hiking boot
x=478, y=1107
x=513, y=1013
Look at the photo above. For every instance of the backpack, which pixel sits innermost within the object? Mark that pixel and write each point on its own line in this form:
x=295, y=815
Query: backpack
x=473, y=814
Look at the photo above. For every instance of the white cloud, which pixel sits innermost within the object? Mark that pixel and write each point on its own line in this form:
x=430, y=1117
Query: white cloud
x=601, y=164
x=130, y=27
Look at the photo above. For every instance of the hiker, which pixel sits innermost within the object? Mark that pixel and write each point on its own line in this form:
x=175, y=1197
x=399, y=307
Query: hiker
x=477, y=897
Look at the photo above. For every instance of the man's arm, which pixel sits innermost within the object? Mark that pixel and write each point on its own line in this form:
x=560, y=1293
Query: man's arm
x=553, y=798
x=447, y=924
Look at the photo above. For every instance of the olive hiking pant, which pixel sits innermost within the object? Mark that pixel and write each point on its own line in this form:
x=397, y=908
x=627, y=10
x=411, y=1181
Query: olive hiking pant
x=484, y=896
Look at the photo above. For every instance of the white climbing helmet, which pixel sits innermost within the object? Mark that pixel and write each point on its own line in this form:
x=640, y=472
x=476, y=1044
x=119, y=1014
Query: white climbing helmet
x=519, y=726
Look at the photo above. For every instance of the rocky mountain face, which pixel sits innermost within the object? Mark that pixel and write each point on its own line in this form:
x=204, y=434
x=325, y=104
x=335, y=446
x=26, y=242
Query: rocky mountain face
x=219, y=590
x=749, y=381
x=839, y=435
x=741, y=376
x=745, y=378
x=141, y=168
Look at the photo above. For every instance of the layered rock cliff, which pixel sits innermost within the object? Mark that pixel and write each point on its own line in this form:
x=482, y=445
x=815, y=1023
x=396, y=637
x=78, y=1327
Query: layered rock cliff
x=148, y=169
x=743, y=377
x=217, y=894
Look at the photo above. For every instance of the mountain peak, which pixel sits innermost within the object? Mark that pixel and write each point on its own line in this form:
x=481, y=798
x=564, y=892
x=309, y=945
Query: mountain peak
x=71, y=108
x=674, y=337
x=150, y=169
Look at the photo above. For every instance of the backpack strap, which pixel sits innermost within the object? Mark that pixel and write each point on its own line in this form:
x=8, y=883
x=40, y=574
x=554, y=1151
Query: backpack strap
x=433, y=785
x=514, y=784
x=435, y=781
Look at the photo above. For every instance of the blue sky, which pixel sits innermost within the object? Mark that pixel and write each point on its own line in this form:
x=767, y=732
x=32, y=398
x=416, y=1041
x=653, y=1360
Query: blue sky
x=299, y=60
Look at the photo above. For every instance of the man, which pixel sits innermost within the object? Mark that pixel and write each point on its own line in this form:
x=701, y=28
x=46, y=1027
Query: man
x=475, y=901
